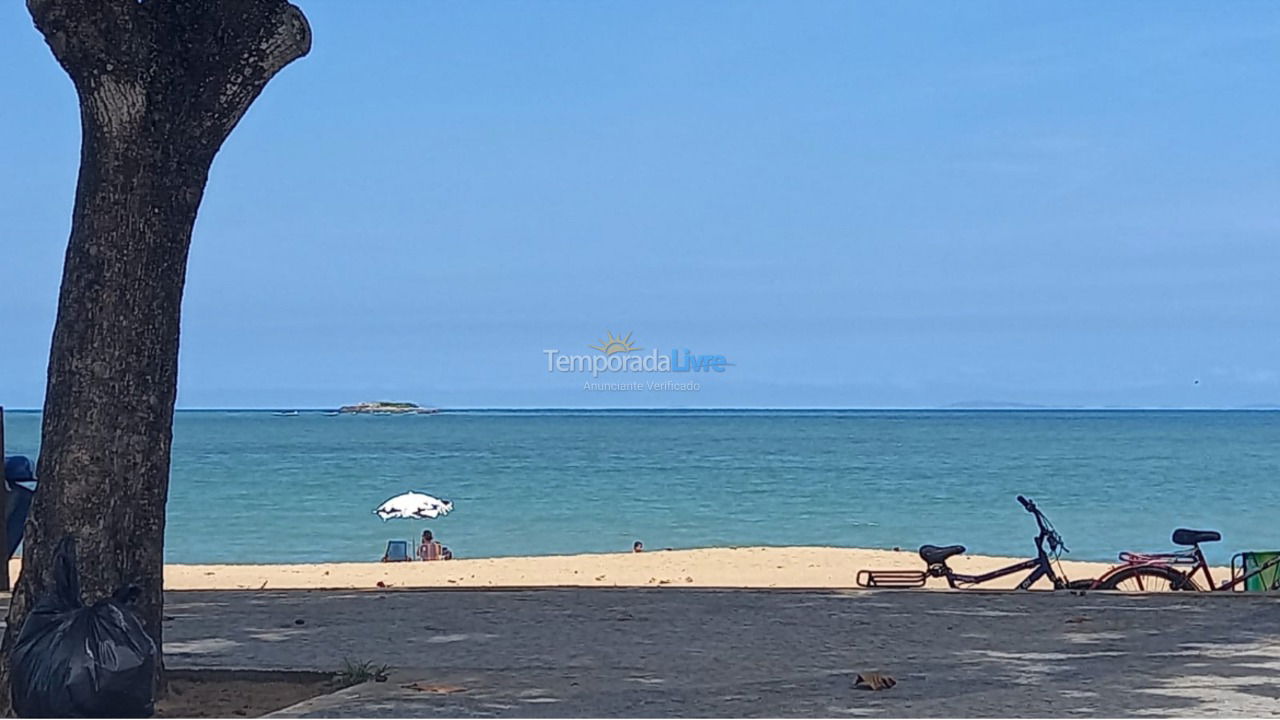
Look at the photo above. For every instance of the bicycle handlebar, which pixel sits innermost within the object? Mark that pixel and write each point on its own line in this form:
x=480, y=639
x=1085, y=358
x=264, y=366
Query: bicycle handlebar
x=1046, y=531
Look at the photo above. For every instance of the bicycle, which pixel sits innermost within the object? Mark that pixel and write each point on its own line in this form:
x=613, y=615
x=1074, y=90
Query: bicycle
x=935, y=558
x=1155, y=572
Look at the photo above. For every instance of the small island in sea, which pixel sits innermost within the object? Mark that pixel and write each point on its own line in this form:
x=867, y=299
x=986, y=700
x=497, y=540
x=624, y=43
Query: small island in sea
x=387, y=408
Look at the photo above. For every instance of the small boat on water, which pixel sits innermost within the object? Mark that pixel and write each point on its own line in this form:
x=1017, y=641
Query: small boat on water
x=332, y=414
x=286, y=413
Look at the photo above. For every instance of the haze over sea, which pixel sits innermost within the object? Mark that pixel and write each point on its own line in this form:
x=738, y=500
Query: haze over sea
x=253, y=487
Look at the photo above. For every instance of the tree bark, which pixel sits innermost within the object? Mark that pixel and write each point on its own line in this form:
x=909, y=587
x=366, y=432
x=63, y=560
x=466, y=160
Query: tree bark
x=161, y=84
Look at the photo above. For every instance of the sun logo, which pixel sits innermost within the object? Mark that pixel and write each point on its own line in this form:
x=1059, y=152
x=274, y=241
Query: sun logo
x=612, y=345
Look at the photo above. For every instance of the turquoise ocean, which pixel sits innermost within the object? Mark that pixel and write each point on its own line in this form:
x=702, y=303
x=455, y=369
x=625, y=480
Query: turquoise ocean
x=254, y=487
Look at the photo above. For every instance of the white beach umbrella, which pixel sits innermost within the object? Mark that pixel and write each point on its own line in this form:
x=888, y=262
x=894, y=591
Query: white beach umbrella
x=413, y=505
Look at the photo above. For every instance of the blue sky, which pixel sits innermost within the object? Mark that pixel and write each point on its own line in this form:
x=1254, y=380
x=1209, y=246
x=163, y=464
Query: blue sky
x=858, y=204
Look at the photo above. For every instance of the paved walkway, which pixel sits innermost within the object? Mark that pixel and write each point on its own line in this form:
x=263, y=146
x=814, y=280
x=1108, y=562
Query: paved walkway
x=665, y=652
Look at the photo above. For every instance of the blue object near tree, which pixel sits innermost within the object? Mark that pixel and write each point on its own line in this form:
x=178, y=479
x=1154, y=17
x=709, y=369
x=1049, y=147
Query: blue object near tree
x=19, y=476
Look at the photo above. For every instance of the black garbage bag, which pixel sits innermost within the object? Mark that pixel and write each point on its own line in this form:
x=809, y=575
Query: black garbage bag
x=75, y=661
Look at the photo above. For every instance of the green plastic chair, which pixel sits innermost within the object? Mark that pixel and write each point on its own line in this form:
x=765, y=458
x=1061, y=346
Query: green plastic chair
x=1250, y=562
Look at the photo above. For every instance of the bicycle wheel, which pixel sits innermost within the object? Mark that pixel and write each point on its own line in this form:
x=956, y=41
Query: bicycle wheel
x=1147, y=578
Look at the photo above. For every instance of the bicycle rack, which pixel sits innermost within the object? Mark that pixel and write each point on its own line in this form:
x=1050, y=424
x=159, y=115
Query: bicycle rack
x=890, y=578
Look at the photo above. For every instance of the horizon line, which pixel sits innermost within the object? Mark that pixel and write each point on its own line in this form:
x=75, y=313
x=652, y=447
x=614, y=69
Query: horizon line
x=757, y=408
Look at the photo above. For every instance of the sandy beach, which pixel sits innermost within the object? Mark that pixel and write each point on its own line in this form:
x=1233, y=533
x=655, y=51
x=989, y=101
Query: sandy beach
x=747, y=567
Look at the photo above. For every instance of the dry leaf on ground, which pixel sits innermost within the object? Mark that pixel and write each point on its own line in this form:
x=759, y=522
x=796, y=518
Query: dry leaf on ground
x=437, y=689
x=874, y=681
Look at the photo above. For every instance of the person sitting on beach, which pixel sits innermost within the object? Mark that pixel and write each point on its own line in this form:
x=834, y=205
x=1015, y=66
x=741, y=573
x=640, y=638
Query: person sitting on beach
x=637, y=547
x=432, y=550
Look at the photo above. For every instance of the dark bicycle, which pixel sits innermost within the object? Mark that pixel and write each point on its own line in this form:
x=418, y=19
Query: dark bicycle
x=1049, y=547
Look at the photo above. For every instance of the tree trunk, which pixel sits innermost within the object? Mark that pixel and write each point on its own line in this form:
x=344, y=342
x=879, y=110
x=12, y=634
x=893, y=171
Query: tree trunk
x=161, y=84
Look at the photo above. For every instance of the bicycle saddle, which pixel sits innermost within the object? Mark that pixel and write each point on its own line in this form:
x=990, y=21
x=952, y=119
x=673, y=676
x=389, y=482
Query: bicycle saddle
x=932, y=554
x=1183, y=536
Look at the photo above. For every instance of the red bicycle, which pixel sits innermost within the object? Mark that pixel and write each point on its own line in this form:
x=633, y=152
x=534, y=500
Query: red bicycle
x=1156, y=572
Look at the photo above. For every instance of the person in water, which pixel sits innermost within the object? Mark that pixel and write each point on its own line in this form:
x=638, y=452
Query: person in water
x=432, y=550
x=637, y=547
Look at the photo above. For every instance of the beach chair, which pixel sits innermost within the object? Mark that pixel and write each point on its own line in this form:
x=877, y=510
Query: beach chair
x=1247, y=565
x=397, y=551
